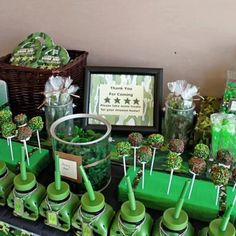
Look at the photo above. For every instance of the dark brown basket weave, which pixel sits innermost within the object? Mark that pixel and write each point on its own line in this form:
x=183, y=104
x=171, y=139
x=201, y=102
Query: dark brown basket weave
x=25, y=85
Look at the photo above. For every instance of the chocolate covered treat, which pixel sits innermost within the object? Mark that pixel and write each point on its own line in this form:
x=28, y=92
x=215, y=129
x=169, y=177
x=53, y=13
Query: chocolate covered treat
x=224, y=157
x=176, y=145
x=144, y=154
x=8, y=129
x=24, y=133
x=201, y=150
x=135, y=139
x=174, y=161
x=20, y=119
x=220, y=175
x=155, y=140
x=197, y=165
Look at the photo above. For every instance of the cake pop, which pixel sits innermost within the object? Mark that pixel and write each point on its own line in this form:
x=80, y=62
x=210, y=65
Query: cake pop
x=201, y=150
x=220, y=177
x=123, y=149
x=197, y=166
x=224, y=157
x=24, y=134
x=5, y=116
x=174, y=162
x=144, y=155
x=155, y=141
x=20, y=119
x=36, y=124
x=9, y=132
x=176, y=145
x=135, y=139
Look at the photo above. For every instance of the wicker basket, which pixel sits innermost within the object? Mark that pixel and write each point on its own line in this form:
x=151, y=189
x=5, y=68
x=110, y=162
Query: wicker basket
x=25, y=85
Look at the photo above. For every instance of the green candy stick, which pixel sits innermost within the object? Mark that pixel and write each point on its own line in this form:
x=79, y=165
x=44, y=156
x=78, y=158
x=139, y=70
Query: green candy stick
x=57, y=173
x=87, y=184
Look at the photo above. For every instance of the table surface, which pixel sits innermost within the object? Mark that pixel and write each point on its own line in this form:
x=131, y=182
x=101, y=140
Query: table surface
x=111, y=194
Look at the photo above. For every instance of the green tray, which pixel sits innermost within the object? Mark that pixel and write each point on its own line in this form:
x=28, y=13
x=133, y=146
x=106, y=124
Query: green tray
x=201, y=205
x=38, y=161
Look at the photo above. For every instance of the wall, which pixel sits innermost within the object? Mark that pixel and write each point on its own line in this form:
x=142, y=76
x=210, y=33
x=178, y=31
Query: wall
x=191, y=39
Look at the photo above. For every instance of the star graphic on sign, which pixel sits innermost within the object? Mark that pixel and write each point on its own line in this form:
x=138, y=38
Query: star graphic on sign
x=117, y=100
x=127, y=101
x=136, y=101
x=107, y=100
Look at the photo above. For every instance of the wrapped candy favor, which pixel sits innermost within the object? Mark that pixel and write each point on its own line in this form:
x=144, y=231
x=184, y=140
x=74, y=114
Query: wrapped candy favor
x=179, y=110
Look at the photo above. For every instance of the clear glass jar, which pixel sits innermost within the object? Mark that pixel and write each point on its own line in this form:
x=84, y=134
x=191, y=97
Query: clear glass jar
x=85, y=146
x=178, y=123
x=53, y=112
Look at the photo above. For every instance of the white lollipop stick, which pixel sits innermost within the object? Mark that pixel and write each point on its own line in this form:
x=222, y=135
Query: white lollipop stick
x=192, y=183
x=124, y=164
x=170, y=181
x=26, y=150
x=234, y=187
x=8, y=142
x=143, y=177
x=135, y=151
x=11, y=150
x=39, y=144
x=217, y=194
x=153, y=158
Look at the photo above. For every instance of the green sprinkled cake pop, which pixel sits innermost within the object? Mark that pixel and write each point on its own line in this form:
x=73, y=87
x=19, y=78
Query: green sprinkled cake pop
x=36, y=123
x=8, y=132
x=123, y=148
x=220, y=177
x=5, y=116
x=174, y=160
x=155, y=140
x=8, y=129
x=201, y=150
x=20, y=119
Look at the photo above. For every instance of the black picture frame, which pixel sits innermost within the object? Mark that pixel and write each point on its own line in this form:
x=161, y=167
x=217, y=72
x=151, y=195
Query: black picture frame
x=154, y=73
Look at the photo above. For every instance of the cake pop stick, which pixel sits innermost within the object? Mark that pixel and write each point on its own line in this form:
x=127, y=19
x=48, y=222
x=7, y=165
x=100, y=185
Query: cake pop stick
x=36, y=124
x=174, y=162
x=123, y=149
x=144, y=155
x=155, y=141
x=9, y=132
x=135, y=139
x=197, y=166
x=220, y=177
x=24, y=134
